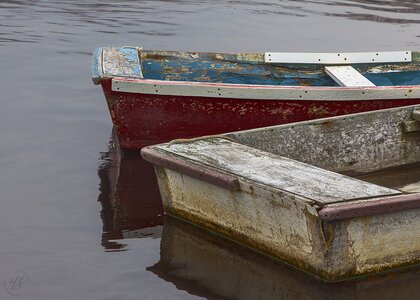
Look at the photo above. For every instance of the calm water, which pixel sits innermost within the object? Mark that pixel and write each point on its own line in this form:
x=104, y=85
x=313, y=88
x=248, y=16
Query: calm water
x=78, y=222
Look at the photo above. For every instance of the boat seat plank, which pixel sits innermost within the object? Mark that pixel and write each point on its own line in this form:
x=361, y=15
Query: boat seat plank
x=342, y=58
x=347, y=76
x=319, y=185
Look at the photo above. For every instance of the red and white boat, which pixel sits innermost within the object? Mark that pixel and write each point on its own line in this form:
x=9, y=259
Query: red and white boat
x=157, y=96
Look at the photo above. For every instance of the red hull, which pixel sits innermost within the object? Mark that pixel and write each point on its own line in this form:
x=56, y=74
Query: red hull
x=144, y=119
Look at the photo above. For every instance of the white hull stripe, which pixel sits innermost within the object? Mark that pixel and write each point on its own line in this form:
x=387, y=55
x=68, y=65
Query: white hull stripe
x=263, y=92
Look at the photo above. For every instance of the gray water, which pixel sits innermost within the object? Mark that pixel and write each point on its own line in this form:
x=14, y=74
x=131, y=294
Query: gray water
x=67, y=202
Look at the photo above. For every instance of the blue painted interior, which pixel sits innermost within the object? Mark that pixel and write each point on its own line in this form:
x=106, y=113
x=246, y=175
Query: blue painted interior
x=249, y=73
x=227, y=72
x=131, y=61
x=395, y=78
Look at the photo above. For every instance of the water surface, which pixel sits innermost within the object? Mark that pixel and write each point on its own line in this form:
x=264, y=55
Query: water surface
x=57, y=159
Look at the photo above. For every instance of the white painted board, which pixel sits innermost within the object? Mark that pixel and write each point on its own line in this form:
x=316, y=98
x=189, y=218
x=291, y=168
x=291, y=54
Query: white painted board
x=338, y=58
x=347, y=76
x=261, y=92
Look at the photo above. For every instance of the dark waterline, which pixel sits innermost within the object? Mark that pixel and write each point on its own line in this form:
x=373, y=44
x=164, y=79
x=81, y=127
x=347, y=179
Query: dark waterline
x=78, y=221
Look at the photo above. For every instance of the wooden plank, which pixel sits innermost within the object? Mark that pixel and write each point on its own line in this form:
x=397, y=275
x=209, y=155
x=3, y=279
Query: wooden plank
x=282, y=173
x=342, y=58
x=209, y=175
x=347, y=76
x=377, y=206
x=262, y=92
x=361, y=143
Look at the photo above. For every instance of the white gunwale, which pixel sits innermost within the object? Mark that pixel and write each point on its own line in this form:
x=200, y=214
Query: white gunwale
x=263, y=92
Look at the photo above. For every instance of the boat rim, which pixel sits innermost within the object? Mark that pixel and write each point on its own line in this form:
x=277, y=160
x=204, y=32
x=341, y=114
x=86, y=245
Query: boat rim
x=263, y=92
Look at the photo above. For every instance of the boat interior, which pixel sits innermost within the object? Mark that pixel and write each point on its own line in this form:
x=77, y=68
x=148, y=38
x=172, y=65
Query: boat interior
x=380, y=147
x=297, y=69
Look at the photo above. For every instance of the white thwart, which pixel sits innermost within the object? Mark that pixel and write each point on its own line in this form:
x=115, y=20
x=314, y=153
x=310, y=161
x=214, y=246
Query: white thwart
x=347, y=76
x=343, y=58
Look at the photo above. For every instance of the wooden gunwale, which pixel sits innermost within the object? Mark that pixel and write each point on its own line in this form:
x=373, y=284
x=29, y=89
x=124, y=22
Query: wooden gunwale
x=262, y=92
x=207, y=174
x=382, y=205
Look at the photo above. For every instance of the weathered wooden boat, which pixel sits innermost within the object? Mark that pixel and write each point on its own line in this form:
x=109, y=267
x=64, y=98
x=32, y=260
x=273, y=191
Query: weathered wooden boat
x=315, y=194
x=156, y=96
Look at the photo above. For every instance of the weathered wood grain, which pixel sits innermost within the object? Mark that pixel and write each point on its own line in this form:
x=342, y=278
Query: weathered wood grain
x=361, y=143
x=263, y=92
x=282, y=173
x=121, y=62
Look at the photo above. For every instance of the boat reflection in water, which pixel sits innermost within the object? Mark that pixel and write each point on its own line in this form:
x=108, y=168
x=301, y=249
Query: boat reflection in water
x=129, y=196
x=206, y=265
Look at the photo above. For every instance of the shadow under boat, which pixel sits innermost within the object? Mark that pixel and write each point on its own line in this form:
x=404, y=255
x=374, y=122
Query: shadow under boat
x=129, y=196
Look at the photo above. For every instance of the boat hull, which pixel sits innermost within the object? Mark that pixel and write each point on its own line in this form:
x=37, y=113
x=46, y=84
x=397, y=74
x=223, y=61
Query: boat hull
x=144, y=119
